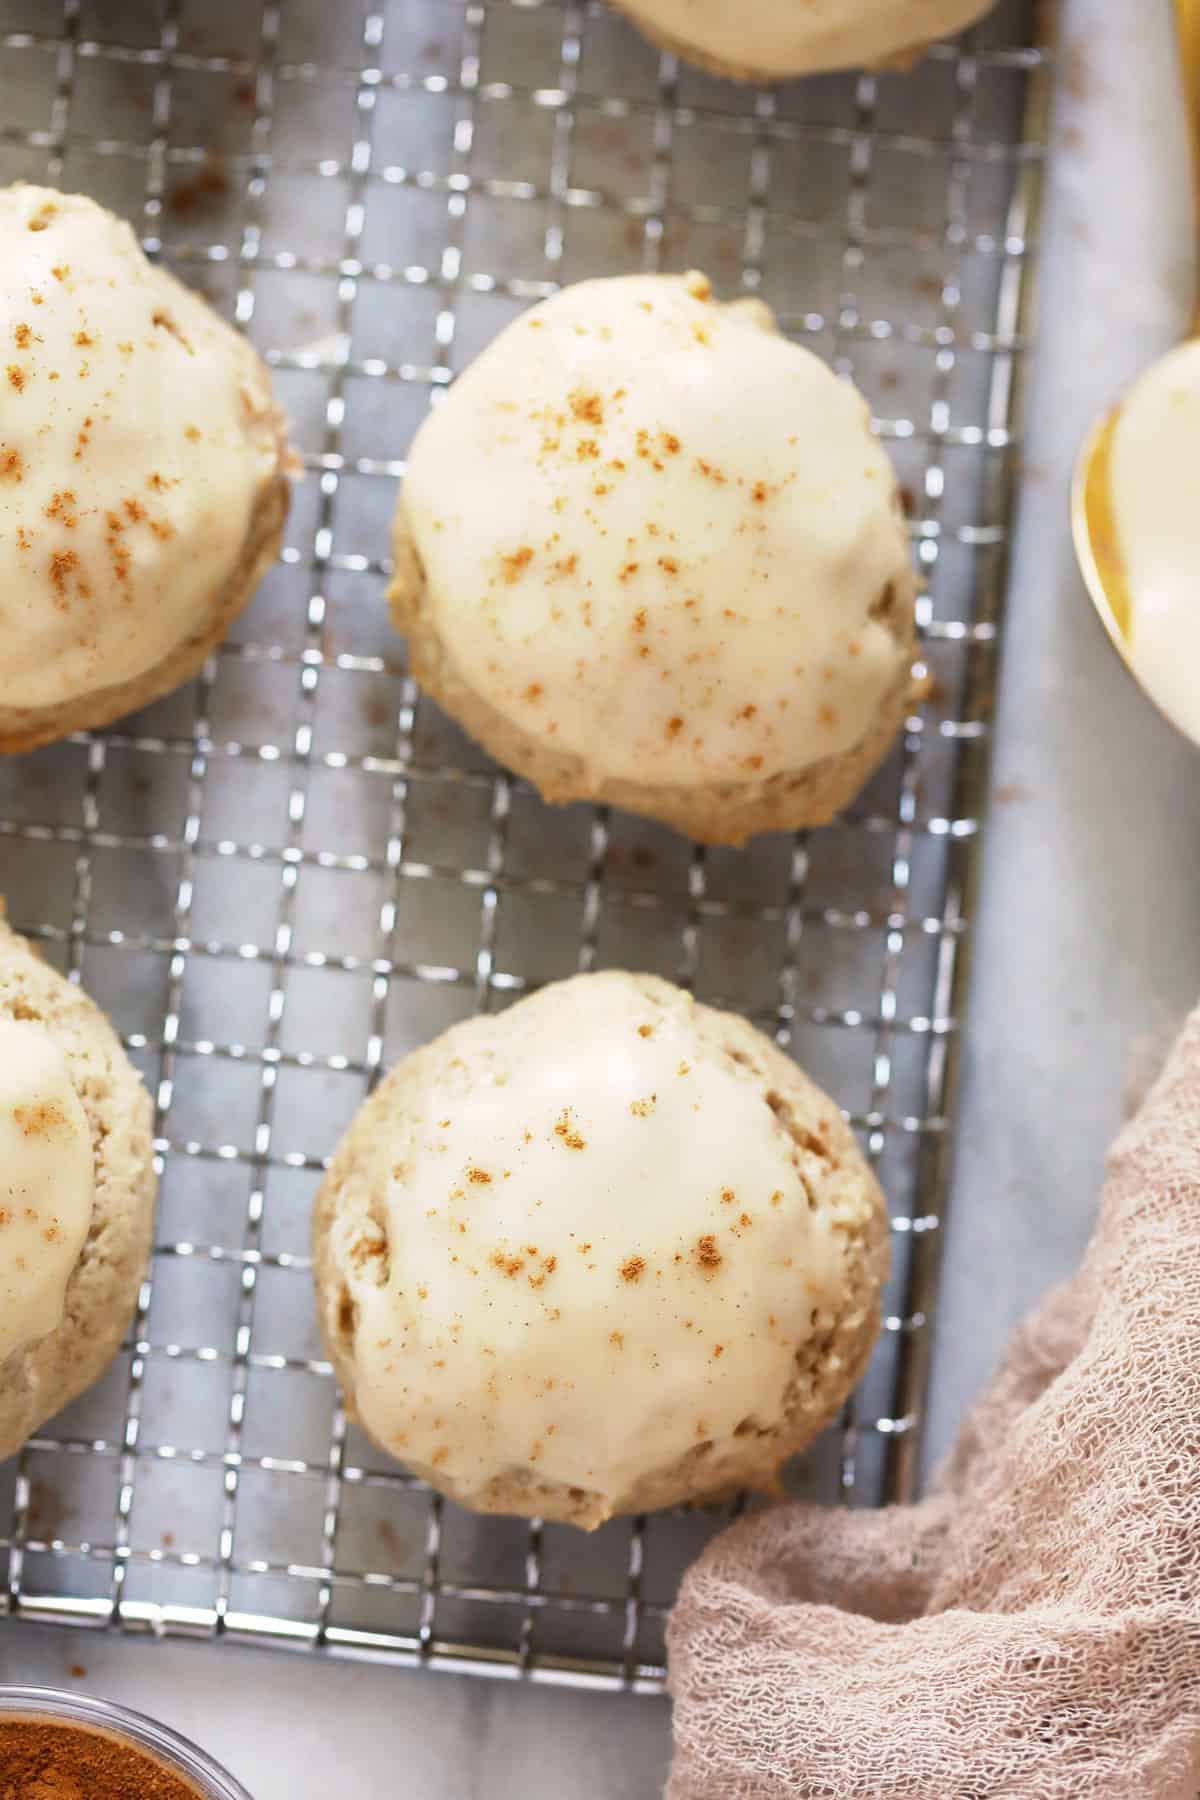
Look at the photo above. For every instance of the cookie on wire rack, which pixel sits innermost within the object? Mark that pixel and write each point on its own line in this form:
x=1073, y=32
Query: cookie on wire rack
x=771, y=40
x=77, y=1190
x=143, y=471
x=649, y=553
x=602, y=1252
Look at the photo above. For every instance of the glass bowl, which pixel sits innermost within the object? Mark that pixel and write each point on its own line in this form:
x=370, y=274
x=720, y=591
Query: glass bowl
x=56, y=1706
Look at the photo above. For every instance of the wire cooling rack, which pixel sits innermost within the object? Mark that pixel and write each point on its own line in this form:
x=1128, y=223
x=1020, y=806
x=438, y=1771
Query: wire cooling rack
x=287, y=874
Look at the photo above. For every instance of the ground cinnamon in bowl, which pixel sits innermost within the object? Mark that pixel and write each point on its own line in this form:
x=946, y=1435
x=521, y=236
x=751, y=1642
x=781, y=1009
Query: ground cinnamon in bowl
x=45, y=1759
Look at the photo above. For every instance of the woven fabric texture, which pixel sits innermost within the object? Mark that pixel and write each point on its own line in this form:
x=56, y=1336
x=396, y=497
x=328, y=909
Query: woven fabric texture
x=1032, y=1628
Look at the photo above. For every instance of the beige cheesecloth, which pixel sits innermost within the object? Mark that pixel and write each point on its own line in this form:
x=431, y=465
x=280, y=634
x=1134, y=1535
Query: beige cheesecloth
x=1032, y=1628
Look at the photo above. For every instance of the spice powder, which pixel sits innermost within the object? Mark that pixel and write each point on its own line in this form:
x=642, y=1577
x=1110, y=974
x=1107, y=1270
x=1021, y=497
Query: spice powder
x=42, y=1759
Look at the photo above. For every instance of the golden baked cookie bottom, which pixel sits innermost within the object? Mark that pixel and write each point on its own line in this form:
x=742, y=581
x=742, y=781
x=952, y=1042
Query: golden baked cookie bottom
x=26, y=728
x=900, y=60
x=41, y=1378
x=828, y=1363
x=726, y=812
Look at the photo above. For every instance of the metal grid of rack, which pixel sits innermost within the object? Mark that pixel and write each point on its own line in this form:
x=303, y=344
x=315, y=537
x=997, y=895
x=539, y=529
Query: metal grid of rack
x=282, y=877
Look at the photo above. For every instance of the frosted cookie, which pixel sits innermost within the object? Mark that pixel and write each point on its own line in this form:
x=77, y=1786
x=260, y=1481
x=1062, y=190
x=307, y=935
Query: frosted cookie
x=142, y=471
x=77, y=1189
x=602, y=1252
x=649, y=553
x=767, y=40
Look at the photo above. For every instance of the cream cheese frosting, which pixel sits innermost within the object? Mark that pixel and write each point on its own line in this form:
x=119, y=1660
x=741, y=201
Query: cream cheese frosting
x=591, y=1245
x=137, y=434
x=792, y=37
x=661, y=537
x=46, y=1182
